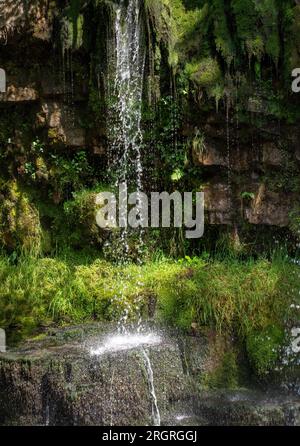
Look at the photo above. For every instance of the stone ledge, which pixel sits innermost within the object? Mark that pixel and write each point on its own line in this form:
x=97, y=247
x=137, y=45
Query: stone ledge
x=19, y=94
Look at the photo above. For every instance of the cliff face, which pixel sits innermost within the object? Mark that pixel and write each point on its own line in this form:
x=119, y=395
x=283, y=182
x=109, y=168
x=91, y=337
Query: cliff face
x=218, y=104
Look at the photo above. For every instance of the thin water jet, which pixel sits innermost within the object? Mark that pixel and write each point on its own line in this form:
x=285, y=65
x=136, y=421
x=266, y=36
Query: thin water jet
x=155, y=410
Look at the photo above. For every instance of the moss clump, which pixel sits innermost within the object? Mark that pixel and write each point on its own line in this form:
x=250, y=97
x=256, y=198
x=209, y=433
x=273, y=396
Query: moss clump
x=72, y=25
x=264, y=348
x=80, y=215
x=205, y=73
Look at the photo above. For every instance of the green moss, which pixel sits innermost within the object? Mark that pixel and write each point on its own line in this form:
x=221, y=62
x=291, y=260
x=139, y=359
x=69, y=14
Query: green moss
x=80, y=215
x=205, y=73
x=73, y=36
x=226, y=375
x=264, y=348
x=223, y=40
x=295, y=221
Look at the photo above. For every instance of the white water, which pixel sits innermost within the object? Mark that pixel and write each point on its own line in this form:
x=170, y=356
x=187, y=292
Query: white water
x=155, y=409
x=125, y=80
x=123, y=342
x=125, y=91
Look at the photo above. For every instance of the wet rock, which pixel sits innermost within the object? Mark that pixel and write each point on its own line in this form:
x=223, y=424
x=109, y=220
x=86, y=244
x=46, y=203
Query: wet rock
x=60, y=120
x=211, y=155
x=218, y=203
x=74, y=137
x=50, y=86
x=55, y=381
x=215, y=153
x=269, y=208
x=248, y=408
x=272, y=155
x=65, y=385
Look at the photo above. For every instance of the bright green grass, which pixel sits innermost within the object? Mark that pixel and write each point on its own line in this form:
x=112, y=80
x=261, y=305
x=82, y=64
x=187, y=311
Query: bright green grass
x=249, y=299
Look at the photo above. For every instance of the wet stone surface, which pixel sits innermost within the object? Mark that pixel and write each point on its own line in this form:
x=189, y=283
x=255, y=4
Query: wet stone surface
x=57, y=381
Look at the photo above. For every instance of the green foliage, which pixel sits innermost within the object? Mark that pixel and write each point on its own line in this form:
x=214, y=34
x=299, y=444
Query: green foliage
x=79, y=219
x=164, y=123
x=206, y=73
x=250, y=300
x=286, y=179
x=19, y=219
x=248, y=37
x=234, y=297
x=70, y=172
x=248, y=195
x=223, y=40
x=295, y=221
x=72, y=32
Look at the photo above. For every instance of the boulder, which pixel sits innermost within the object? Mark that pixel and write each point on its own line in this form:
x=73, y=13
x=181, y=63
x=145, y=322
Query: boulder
x=58, y=382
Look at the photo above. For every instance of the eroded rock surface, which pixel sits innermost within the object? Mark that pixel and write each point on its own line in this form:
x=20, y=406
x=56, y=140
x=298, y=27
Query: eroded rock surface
x=56, y=381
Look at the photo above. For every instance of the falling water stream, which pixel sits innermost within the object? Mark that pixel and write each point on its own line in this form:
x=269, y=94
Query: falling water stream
x=125, y=94
x=155, y=409
x=125, y=80
x=126, y=60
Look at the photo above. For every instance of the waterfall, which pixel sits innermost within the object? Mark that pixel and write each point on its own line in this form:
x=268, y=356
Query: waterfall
x=125, y=94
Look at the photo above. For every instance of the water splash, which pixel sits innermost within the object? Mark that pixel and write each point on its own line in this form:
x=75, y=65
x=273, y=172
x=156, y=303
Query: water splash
x=47, y=415
x=125, y=342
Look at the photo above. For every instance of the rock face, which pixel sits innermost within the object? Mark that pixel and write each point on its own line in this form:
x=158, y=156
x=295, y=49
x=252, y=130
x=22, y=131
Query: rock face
x=60, y=83
x=57, y=382
x=35, y=16
x=218, y=203
x=269, y=208
x=261, y=169
x=65, y=385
